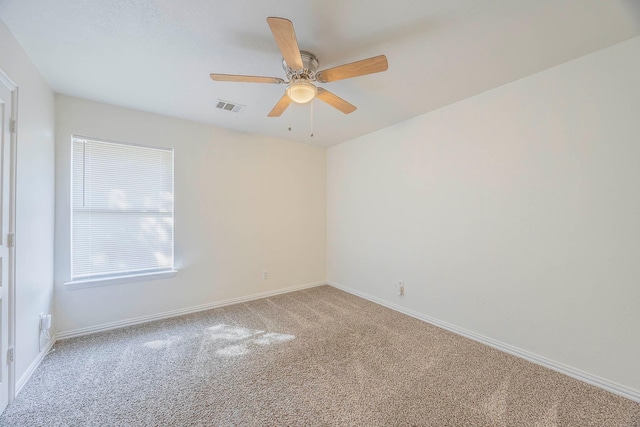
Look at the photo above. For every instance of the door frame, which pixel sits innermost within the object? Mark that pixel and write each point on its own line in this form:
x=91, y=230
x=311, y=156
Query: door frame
x=13, y=88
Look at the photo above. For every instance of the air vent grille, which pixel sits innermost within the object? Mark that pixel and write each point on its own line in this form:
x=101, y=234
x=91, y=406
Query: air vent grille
x=229, y=106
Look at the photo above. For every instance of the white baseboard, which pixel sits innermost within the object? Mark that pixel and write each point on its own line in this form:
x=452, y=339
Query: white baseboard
x=524, y=354
x=34, y=365
x=179, y=312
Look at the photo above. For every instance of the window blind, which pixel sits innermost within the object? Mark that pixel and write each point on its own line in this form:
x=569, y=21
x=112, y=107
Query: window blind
x=122, y=209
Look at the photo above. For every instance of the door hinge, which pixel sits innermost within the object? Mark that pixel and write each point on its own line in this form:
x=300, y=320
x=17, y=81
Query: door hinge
x=11, y=240
x=12, y=126
x=10, y=355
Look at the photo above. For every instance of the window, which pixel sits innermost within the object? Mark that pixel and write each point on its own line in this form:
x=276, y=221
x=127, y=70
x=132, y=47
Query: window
x=122, y=210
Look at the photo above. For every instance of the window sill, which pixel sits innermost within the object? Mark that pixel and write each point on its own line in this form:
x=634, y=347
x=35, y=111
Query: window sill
x=116, y=280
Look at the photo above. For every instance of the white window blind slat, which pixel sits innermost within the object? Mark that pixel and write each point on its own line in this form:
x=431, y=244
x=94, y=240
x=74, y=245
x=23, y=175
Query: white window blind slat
x=122, y=209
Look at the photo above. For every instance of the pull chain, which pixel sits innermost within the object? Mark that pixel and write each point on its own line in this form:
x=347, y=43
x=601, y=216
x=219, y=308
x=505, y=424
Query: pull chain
x=312, y=117
x=289, y=117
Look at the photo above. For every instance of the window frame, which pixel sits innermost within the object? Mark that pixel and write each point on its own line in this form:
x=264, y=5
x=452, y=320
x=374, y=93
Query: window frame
x=118, y=278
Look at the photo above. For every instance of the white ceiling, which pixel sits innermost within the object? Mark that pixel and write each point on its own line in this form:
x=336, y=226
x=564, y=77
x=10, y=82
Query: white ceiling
x=156, y=55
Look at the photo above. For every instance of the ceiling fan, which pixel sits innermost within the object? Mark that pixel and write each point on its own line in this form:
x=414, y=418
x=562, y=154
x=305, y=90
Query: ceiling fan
x=300, y=67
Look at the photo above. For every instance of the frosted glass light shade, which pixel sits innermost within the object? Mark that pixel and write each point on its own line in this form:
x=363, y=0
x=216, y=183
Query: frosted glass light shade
x=301, y=92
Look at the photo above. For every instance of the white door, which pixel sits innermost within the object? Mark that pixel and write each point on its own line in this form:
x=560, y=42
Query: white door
x=6, y=108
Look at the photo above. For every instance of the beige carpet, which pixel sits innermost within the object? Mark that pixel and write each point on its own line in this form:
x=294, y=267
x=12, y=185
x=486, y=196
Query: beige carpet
x=318, y=357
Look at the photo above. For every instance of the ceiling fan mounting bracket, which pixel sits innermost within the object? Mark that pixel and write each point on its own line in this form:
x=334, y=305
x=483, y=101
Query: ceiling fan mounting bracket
x=309, y=66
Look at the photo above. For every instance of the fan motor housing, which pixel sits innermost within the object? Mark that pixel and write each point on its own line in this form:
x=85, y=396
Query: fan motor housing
x=309, y=66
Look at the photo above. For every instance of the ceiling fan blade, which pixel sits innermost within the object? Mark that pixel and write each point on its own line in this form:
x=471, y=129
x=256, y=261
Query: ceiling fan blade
x=285, y=36
x=335, y=101
x=246, y=79
x=372, y=65
x=280, y=106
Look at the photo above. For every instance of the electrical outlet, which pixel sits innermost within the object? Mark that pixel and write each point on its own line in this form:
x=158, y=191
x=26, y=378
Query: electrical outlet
x=400, y=288
x=265, y=274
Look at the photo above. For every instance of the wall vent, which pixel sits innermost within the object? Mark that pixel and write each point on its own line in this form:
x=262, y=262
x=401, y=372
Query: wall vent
x=229, y=106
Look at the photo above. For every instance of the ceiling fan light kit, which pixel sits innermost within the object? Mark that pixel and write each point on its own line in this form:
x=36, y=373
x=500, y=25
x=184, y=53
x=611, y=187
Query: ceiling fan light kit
x=301, y=91
x=300, y=67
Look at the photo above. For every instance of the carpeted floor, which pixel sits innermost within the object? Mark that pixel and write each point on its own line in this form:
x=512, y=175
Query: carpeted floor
x=317, y=357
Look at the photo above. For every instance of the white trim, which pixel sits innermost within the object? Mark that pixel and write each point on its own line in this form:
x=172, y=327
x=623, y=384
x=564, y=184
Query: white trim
x=507, y=348
x=34, y=365
x=180, y=312
x=116, y=280
x=6, y=80
x=11, y=291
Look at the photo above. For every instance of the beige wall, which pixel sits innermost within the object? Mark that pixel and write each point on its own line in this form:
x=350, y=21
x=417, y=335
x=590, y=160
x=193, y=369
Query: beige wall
x=34, y=199
x=243, y=203
x=514, y=214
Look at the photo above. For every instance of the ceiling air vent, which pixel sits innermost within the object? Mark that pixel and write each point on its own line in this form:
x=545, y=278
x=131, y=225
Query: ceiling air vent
x=229, y=106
